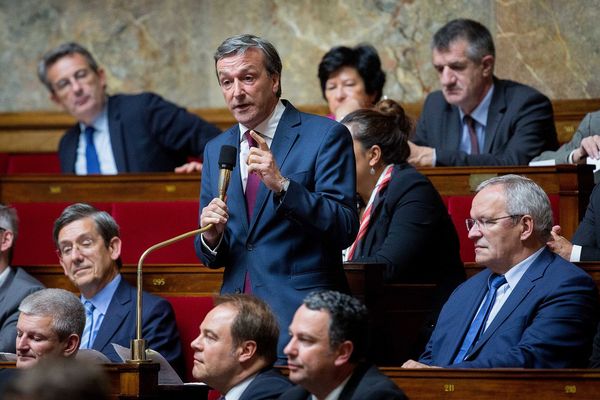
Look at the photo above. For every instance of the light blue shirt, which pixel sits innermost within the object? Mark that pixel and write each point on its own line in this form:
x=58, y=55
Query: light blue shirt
x=101, y=301
x=108, y=166
x=479, y=115
x=513, y=276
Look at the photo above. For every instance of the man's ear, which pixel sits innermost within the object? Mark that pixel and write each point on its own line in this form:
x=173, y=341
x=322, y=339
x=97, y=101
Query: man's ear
x=71, y=345
x=527, y=227
x=487, y=63
x=247, y=350
x=7, y=241
x=115, y=248
x=344, y=353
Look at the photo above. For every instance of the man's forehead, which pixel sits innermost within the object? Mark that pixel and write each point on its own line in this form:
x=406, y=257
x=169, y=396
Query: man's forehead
x=250, y=59
x=78, y=227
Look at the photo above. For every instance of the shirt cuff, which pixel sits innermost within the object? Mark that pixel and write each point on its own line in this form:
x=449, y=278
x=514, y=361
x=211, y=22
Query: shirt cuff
x=575, y=253
x=207, y=247
x=433, y=157
x=570, y=157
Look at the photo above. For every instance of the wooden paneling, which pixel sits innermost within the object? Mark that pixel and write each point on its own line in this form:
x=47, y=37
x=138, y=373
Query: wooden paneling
x=40, y=131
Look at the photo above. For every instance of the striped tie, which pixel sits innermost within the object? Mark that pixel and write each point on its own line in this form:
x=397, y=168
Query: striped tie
x=366, y=217
x=86, y=339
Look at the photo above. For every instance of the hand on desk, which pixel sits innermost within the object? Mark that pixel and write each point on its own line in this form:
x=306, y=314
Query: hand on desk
x=559, y=245
x=416, y=364
x=188, y=168
x=420, y=156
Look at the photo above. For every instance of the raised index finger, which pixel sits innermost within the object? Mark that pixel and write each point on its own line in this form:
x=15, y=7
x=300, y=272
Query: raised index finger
x=262, y=144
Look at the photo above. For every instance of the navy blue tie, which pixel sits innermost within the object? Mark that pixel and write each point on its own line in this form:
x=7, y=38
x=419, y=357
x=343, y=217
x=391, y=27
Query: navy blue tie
x=476, y=326
x=91, y=155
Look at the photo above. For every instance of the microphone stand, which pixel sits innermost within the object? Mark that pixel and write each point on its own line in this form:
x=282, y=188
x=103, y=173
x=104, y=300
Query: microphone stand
x=138, y=345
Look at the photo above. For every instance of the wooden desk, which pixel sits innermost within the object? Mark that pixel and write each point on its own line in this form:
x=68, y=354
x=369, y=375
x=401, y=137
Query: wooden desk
x=483, y=384
x=140, y=381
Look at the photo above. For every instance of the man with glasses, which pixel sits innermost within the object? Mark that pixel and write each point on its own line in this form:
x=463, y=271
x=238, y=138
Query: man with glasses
x=118, y=133
x=15, y=283
x=89, y=250
x=529, y=308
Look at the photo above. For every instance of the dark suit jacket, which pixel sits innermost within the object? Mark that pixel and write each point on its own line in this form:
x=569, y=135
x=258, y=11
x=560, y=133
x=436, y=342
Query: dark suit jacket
x=18, y=285
x=158, y=326
x=147, y=134
x=268, y=384
x=366, y=383
x=292, y=245
x=408, y=217
x=587, y=234
x=520, y=126
x=548, y=321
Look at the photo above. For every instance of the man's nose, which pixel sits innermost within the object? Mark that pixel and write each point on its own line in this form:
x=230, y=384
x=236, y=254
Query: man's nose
x=238, y=89
x=447, y=76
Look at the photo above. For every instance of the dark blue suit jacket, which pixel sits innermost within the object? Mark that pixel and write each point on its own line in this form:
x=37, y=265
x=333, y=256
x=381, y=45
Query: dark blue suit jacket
x=587, y=234
x=147, y=134
x=520, y=125
x=292, y=245
x=267, y=385
x=158, y=326
x=548, y=321
x=366, y=383
x=18, y=285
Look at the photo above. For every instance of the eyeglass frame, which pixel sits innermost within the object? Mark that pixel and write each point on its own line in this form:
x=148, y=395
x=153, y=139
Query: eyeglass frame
x=482, y=223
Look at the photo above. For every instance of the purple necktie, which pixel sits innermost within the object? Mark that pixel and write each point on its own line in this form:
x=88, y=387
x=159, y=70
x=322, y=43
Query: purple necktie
x=252, y=183
x=472, y=134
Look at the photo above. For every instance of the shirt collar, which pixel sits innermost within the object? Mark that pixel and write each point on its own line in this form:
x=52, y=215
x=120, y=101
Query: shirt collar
x=4, y=275
x=101, y=121
x=102, y=299
x=236, y=392
x=480, y=112
x=268, y=127
x=335, y=393
x=514, y=275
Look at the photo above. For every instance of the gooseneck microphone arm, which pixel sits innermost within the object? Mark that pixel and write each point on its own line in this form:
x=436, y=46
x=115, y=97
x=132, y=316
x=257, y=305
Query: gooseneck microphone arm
x=227, y=161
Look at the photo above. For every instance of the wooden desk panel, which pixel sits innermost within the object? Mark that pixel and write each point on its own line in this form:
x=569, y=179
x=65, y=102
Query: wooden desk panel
x=483, y=384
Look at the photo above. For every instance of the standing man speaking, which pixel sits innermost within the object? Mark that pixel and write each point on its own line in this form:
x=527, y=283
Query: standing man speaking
x=290, y=205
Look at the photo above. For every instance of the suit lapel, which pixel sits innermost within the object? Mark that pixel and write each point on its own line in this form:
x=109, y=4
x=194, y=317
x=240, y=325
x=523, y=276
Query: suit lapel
x=463, y=320
x=235, y=190
x=286, y=134
x=116, y=314
x=519, y=293
x=495, y=115
x=453, y=128
x=117, y=139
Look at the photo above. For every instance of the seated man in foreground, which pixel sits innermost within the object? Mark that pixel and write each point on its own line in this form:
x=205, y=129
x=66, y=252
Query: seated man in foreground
x=327, y=352
x=529, y=308
x=50, y=324
x=237, y=347
x=89, y=249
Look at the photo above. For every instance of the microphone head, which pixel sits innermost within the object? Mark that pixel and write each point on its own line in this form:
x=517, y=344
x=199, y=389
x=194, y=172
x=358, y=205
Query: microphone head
x=227, y=157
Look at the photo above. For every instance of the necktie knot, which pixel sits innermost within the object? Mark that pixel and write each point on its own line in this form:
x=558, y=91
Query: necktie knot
x=496, y=281
x=89, y=307
x=250, y=139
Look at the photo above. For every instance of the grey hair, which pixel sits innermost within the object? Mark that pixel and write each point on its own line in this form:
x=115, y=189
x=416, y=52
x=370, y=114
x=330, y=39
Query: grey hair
x=525, y=197
x=477, y=36
x=65, y=49
x=67, y=312
x=9, y=221
x=240, y=43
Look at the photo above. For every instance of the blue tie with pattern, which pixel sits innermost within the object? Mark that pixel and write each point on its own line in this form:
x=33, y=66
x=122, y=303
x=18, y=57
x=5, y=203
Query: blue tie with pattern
x=91, y=155
x=475, y=329
x=86, y=339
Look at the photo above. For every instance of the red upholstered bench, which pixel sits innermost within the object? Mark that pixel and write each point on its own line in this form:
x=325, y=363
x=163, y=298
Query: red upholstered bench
x=189, y=313
x=35, y=245
x=144, y=224
x=35, y=163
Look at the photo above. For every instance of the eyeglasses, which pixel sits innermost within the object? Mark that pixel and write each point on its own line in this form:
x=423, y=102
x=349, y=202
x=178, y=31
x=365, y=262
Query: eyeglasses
x=485, y=224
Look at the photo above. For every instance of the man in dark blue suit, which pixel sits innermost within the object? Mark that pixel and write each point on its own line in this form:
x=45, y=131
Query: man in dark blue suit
x=129, y=133
x=236, y=348
x=290, y=207
x=89, y=249
x=478, y=119
x=327, y=352
x=529, y=308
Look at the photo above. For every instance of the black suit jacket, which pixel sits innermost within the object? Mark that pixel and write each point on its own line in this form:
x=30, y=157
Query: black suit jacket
x=18, y=285
x=268, y=384
x=587, y=234
x=520, y=126
x=147, y=134
x=366, y=383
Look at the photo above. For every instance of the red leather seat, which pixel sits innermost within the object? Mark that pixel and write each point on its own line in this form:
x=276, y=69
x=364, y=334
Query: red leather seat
x=34, y=163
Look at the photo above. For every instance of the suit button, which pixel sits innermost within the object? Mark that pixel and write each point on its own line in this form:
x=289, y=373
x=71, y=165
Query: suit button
x=249, y=247
x=238, y=291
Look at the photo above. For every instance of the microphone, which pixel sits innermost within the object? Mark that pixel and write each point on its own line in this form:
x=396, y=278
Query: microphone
x=227, y=161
